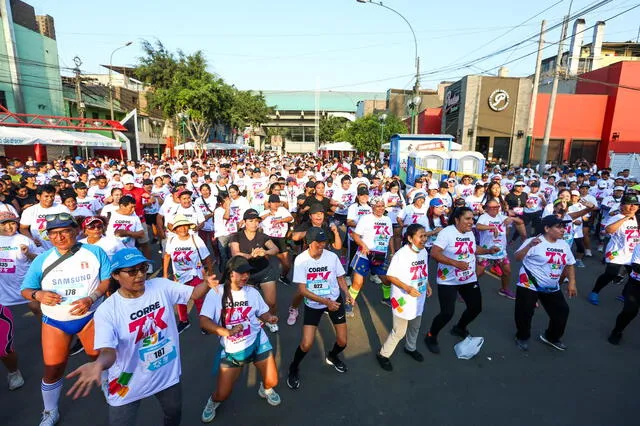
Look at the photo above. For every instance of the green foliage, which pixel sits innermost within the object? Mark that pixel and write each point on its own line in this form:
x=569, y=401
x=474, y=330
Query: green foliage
x=248, y=109
x=330, y=126
x=364, y=133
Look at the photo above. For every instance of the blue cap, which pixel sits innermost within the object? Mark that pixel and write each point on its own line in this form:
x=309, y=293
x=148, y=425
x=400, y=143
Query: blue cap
x=436, y=202
x=127, y=258
x=60, y=220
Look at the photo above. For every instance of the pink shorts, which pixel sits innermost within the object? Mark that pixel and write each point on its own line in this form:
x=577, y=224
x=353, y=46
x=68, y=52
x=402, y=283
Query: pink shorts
x=487, y=262
x=6, y=331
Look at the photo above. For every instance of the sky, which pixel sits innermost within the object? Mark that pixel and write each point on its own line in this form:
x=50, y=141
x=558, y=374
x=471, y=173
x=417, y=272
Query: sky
x=340, y=45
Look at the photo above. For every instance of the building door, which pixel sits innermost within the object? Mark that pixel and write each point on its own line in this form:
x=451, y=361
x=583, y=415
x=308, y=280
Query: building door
x=501, y=149
x=556, y=147
x=583, y=150
x=482, y=145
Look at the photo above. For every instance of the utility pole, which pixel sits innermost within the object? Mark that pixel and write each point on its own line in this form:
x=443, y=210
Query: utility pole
x=534, y=96
x=544, y=152
x=78, y=79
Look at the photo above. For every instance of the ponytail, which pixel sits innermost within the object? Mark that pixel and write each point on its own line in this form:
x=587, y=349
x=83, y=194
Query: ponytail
x=412, y=230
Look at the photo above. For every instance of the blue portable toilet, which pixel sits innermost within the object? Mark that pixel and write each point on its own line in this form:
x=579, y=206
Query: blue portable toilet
x=467, y=162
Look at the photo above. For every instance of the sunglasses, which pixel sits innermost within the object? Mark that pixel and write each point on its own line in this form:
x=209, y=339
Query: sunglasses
x=58, y=216
x=95, y=226
x=140, y=269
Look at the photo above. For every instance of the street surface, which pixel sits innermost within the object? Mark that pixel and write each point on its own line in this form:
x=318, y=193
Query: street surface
x=592, y=383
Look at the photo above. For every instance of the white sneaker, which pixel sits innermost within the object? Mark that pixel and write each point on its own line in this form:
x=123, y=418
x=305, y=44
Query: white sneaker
x=50, y=418
x=270, y=395
x=601, y=247
x=293, y=316
x=588, y=253
x=272, y=327
x=15, y=380
x=209, y=412
x=375, y=279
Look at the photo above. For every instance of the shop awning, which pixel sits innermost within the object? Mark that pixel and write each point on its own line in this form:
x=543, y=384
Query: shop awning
x=337, y=146
x=30, y=136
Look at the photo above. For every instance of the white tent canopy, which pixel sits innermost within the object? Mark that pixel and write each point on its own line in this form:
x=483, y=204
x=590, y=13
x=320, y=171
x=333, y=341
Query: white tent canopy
x=337, y=146
x=225, y=146
x=185, y=146
x=32, y=136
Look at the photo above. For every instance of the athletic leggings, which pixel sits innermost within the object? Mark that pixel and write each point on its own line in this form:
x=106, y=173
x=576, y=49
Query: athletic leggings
x=555, y=305
x=610, y=273
x=631, y=294
x=579, y=245
x=472, y=297
x=170, y=401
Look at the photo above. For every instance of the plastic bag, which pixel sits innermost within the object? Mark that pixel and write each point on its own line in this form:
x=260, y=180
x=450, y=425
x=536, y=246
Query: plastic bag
x=469, y=347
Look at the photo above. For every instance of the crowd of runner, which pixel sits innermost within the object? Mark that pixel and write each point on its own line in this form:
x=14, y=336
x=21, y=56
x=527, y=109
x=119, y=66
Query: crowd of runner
x=79, y=237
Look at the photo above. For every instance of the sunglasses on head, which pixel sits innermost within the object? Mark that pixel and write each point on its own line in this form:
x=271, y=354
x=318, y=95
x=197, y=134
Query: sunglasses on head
x=140, y=269
x=58, y=216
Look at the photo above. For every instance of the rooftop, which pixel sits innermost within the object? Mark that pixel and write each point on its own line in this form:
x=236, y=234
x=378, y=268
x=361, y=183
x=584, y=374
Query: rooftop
x=328, y=100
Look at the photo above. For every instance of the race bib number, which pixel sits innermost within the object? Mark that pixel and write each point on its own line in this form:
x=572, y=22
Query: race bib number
x=464, y=275
x=7, y=266
x=246, y=330
x=155, y=356
x=70, y=293
x=318, y=283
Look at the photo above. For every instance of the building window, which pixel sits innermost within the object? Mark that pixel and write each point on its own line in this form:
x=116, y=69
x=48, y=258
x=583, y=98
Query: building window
x=583, y=150
x=482, y=145
x=501, y=149
x=556, y=147
x=3, y=98
x=95, y=115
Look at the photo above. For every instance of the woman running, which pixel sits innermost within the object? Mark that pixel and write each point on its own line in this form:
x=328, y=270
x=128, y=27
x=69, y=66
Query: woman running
x=408, y=274
x=235, y=312
x=93, y=229
x=631, y=295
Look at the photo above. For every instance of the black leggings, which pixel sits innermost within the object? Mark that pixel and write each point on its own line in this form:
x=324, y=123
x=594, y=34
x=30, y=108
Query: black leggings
x=610, y=273
x=555, y=305
x=579, y=245
x=631, y=294
x=533, y=220
x=472, y=297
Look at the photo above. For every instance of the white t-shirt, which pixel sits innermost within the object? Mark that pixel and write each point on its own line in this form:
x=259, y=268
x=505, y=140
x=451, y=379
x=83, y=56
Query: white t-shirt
x=89, y=203
x=457, y=246
x=488, y=239
x=99, y=193
x=545, y=262
x=411, y=214
x=129, y=223
x=13, y=267
x=635, y=258
x=375, y=232
x=247, y=308
x=534, y=202
x=206, y=207
x=345, y=197
x=144, y=334
x=622, y=242
x=412, y=269
x=34, y=216
x=110, y=245
x=464, y=191
x=277, y=230
x=393, y=211
x=185, y=261
x=474, y=203
x=319, y=275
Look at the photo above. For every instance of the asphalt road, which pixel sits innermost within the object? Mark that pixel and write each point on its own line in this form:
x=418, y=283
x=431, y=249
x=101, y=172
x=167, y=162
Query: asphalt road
x=592, y=383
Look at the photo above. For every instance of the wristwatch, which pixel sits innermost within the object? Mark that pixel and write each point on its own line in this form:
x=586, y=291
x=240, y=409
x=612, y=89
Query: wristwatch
x=33, y=294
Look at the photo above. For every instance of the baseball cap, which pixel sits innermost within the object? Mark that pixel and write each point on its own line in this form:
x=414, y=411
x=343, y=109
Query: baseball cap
x=316, y=208
x=630, y=199
x=239, y=264
x=534, y=184
x=91, y=219
x=273, y=198
x=376, y=200
x=80, y=185
x=147, y=182
x=78, y=158
x=519, y=183
x=585, y=185
x=436, y=202
x=363, y=190
x=310, y=184
x=552, y=220
x=60, y=220
x=291, y=179
x=8, y=217
x=618, y=188
x=181, y=220
x=433, y=185
x=593, y=177
x=250, y=214
x=315, y=234
x=127, y=258
x=602, y=185
x=256, y=170
x=444, y=184
x=126, y=179
x=635, y=187
x=184, y=191
x=418, y=196
x=576, y=193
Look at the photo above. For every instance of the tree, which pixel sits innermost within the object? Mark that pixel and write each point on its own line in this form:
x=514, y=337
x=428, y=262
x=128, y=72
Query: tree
x=329, y=126
x=248, y=109
x=365, y=133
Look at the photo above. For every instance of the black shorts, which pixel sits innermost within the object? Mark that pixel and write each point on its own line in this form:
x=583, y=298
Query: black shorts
x=340, y=219
x=269, y=274
x=281, y=243
x=313, y=316
x=150, y=218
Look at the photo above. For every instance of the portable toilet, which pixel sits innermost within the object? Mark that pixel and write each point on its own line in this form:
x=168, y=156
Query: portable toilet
x=419, y=163
x=467, y=162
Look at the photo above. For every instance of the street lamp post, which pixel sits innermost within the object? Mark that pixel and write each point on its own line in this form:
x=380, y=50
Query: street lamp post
x=129, y=43
x=416, y=87
x=383, y=119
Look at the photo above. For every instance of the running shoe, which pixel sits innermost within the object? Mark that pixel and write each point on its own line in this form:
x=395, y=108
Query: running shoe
x=432, y=344
x=588, y=253
x=183, y=325
x=204, y=332
x=337, y=363
x=556, y=345
x=272, y=327
x=293, y=316
x=579, y=263
x=270, y=395
x=507, y=293
x=523, y=345
x=293, y=380
x=601, y=247
x=615, y=337
x=50, y=418
x=384, y=362
x=285, y=281
x=414, y=354
x=348, y=310
x=620, y=298
x=209, y=412
x=594, y=298
x=496, y=270
x=76, y=348
x=375, y=279
x=15, y=380
x=460, y=332
x=387, y=302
